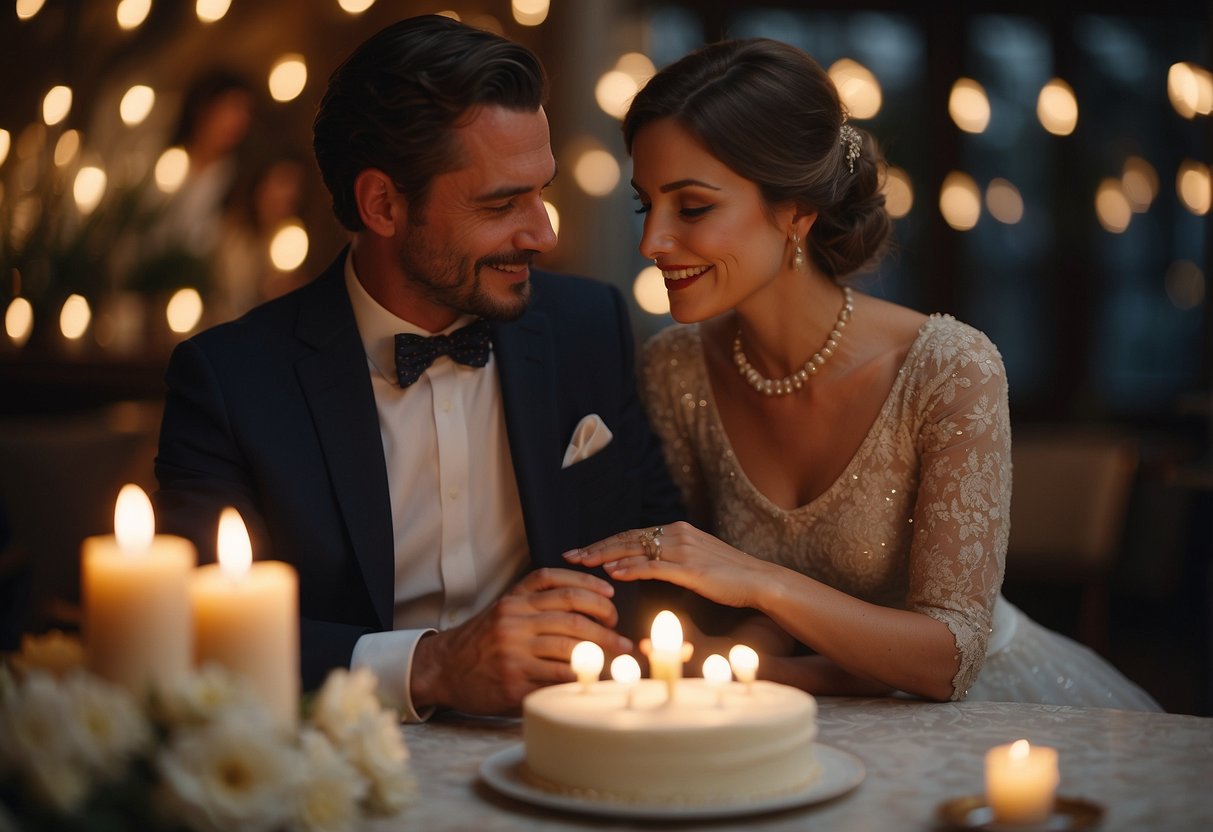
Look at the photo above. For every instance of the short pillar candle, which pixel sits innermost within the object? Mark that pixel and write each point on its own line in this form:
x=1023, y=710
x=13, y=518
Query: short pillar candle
x=246, y=618
x=1021, y=781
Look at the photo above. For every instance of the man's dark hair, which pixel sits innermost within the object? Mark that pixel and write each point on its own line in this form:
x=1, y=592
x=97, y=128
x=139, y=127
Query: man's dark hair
x=394, y=103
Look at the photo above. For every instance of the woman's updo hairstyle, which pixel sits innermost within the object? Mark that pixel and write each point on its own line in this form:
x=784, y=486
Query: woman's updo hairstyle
x=769, y=112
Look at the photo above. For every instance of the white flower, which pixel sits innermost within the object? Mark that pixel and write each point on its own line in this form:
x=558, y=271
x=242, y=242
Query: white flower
x=200, y=697
x=113, y=728
x=234, y=774
x=376, y=746
x=58, y=782
x=331, y=791
x=344, y=699
x=37, y=722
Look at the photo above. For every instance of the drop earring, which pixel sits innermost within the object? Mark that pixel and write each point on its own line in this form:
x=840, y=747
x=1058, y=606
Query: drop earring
x=797, y=253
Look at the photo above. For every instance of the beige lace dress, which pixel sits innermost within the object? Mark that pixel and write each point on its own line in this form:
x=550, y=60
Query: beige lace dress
x=917, y=520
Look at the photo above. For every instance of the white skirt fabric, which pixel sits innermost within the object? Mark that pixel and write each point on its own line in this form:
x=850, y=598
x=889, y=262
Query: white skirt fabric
x=1026, y=662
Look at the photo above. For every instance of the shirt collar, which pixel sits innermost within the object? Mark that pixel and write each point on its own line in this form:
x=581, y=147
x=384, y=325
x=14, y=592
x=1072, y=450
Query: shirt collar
x=378, y=327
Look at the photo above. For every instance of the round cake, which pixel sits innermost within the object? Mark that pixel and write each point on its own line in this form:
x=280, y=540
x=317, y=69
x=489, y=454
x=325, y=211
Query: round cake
x=703, y=747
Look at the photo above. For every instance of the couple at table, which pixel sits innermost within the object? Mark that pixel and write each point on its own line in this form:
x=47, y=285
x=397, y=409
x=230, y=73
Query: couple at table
x=452, y=449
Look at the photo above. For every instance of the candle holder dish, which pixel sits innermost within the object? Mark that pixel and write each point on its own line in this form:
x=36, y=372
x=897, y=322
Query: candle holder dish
x=973, y=812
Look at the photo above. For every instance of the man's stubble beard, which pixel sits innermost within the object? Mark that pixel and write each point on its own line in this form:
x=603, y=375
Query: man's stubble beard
x=450, y=280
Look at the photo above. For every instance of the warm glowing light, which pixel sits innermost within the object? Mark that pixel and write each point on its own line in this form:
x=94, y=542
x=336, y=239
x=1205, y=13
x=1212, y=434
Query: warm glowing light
x=1019, y=750
x=1004, y=202
x=744, y=662
x=898, y=193
x=452, y=14
x=235, y=548
x=553, y=217
x=625, y=670
x=66, y=148
x=56, y=104
x=596, y=172
x=1185, y=284
x=1112, y=207
x=28, y=8
x=88, y=188
x=586, y=661
x=969, y=106
x=74, y=317
x=1057, y=108
x=355, y=6
x=1192, y=184
x=131, y=13
x=1140, y=183
x=667, y=632
x=136, y=104
x=530, y=12
x=184, y=310
x=716, y=670
x=638, y=65
x=857, y=87
x=288, y=78
x=171, y=169
x=134, y=521
x=19, y=321
x=288, y=249
x=614, y=92
x=960, y=201
x=6, y=142
x=1190, y=88
x=209, y=11
x=650, y=292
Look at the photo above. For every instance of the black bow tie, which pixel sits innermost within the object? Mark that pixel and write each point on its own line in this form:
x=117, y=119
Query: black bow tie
x=469, y=345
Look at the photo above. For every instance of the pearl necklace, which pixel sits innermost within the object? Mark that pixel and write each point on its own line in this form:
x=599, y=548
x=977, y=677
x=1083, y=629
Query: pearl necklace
x=795, y=381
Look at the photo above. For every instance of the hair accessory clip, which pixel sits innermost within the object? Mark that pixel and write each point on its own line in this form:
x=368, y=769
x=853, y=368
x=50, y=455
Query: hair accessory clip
x=849, y=136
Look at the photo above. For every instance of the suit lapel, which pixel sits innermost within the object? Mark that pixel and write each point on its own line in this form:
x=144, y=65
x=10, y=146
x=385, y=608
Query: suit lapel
x=336, y=384
x=524, y=353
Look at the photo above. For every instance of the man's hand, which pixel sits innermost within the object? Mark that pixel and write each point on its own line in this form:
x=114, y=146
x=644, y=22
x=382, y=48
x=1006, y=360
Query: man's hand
x=520, y=643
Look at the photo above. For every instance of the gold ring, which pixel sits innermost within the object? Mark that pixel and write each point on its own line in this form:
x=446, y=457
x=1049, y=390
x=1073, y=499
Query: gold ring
x=656, y=550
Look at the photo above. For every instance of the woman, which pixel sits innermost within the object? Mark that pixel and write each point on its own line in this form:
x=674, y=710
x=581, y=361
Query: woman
x=861, y=496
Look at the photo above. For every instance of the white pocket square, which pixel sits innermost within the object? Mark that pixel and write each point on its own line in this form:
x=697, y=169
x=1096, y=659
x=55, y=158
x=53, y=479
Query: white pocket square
x=589, y=437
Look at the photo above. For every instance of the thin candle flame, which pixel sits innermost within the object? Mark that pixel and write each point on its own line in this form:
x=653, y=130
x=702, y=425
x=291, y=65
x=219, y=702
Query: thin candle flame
x=667, y=632
x=235, y=548
x=134, y=522
x=1019, y=750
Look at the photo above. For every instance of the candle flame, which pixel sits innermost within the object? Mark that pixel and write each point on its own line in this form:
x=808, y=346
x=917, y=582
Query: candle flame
x=716, y=670
x=134, y=522
x=625, y=670
x=1019, y=750
x=587, y=659
x=667, y=632
x=744, y=661
x=235, y=548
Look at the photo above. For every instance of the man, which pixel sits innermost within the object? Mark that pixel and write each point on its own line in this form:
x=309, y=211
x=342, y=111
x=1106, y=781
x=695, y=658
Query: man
x=415, y=498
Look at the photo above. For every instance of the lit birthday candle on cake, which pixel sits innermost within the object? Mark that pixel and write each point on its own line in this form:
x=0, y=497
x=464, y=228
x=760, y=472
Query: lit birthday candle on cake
x=246, y=618
x=134, y=589
x=587, y=662
x=667, y=650
x=1020, y=782
x=626, y=672
x=744, y=662
x=717, y=674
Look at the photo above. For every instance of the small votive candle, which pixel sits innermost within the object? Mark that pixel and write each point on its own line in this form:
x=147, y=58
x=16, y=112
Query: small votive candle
x=744, y=662
x=625, y=670
x=587, y=660
x=1021, y=780
x=717, y=674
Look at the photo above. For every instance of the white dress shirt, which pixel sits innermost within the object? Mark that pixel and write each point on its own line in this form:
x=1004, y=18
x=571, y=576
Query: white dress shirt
x=456, y=516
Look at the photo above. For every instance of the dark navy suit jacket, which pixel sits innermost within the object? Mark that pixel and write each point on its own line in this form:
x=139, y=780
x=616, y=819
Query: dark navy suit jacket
x=274, y=414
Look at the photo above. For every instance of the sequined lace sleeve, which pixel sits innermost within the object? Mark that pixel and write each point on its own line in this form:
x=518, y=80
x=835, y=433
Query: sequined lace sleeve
x=665, y=385
x=961, y=517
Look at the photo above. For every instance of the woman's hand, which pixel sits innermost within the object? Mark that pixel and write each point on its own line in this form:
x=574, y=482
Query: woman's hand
x=681, y=554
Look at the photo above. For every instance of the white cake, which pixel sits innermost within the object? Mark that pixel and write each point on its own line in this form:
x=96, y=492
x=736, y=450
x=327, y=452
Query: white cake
x=698, y=749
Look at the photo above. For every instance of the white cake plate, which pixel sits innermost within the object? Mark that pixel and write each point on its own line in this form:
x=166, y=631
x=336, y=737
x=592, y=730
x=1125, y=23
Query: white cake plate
x=841, y=771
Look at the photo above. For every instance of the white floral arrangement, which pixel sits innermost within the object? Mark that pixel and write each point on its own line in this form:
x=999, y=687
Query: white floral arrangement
x=77, y=752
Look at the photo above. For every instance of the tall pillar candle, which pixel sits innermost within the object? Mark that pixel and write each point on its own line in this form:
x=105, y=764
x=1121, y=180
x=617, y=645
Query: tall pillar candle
x=246, y=618
x=134, y=588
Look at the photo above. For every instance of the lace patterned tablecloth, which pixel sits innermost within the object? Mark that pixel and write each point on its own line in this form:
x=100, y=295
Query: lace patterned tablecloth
x=1150, y=771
